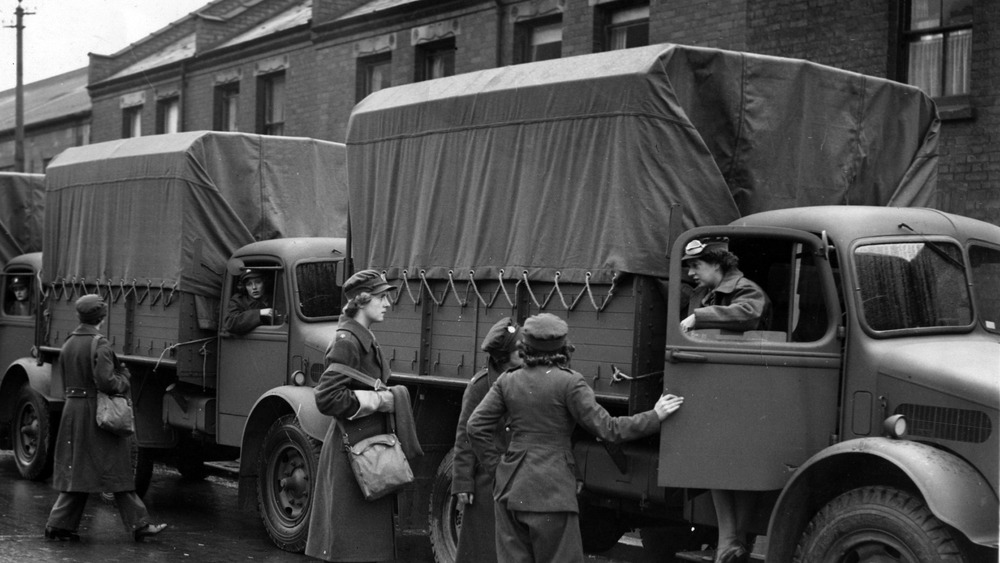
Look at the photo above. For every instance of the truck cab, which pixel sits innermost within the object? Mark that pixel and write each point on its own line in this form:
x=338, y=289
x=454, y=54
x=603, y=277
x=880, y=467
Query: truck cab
x=876, y=380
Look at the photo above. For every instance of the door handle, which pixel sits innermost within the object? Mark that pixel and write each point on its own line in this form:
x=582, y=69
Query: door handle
x=676, y=356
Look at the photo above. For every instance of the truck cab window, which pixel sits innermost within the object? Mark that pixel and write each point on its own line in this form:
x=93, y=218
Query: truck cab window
x=318, y=293
x=256, y=299
x=787, y=274
x=18, y=301
x=911, y=285
x=985, y=281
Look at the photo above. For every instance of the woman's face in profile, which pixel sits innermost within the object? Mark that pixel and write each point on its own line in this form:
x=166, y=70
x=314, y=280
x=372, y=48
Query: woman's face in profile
x=705, y=273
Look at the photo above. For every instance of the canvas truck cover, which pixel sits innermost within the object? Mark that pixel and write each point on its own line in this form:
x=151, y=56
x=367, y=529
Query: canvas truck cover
x=171, y=209
x=22, y=213
x=572, y=165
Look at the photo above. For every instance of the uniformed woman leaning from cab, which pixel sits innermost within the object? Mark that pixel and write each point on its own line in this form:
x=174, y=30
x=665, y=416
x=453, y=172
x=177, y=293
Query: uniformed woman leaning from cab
x=537, y=515
x=471, y=482
x=344, y=526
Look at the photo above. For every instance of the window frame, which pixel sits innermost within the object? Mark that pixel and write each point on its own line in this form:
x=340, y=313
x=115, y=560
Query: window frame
x=267, y=124
x=132, y=122
x=426, y=55
x=364, y=75
x=163, y=115
x=227, y=96
x=524, y=34
x=909, y=35
x=605, y=25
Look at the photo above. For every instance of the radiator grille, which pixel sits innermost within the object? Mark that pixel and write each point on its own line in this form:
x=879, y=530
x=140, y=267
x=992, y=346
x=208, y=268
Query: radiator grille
x=945, y=423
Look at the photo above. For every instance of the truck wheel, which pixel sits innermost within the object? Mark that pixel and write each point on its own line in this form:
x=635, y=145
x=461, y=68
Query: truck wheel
x=286, y=470
x=143, y=469
x=32, y=435
x=600, y=529
x=876, y=525
x=445, y=519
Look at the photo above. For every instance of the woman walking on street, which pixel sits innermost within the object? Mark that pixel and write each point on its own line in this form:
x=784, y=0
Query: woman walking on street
x=87, y=458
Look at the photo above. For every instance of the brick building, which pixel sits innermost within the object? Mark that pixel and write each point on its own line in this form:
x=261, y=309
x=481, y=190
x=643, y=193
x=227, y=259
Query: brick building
x=296, y=67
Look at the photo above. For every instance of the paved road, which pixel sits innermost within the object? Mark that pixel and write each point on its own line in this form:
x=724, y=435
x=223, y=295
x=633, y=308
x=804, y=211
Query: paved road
x=205, y=526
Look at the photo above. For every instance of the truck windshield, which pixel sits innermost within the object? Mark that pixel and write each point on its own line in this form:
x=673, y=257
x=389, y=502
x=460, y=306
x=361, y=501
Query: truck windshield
x=318, y=292
x=986, y=283
x=913, y=285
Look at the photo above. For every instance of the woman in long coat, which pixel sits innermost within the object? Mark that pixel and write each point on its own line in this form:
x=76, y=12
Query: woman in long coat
x=88, y=459
x=471, y=483
x=344, y=526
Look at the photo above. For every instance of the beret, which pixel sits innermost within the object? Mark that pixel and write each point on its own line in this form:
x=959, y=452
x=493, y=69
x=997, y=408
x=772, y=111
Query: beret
x=695, y=248
x=501, y=336
x=91, y=309
x=366, y=281
x=545, y=332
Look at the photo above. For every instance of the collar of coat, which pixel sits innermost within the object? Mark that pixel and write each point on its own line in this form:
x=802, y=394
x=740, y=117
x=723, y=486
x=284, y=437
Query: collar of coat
x=365, y=337
x=84, y=330
x=729, y=281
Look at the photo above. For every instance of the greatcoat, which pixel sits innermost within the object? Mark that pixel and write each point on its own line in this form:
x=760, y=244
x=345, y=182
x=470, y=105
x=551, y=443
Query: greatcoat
x=477, y=541
x=736, y=304
x=344, y=526
x=88, y=459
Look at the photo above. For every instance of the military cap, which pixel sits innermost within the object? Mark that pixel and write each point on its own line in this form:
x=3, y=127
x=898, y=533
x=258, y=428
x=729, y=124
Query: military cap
x=696, y=248
x=545, y=332
x=18, y=281
x=250, y=274
x=91, y=309
x=366, y=281
x=501, y=336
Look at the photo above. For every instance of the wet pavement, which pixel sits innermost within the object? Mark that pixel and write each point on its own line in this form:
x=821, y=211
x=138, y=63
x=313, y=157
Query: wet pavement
x=205, y=526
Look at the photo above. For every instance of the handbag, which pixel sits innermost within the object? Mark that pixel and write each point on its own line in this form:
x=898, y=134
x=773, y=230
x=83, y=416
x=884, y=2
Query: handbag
x=378, y=462
x=114, y=412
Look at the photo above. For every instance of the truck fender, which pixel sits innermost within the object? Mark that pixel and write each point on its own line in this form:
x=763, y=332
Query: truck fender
x=272, y=405
x=25, y=370
x=954, y=491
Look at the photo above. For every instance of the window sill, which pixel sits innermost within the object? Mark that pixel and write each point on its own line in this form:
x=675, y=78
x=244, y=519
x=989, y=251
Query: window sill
x=955, y=108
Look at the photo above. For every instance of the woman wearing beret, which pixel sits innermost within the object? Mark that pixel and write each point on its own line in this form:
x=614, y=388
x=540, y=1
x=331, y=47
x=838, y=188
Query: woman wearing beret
x=471, y=482
x=88, y=459
x=725, y=299
x=537, y=515
x=344, y=526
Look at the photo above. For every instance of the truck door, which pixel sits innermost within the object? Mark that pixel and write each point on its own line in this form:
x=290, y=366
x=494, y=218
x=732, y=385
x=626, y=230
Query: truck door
x=758, y=403
x=20, y=291
x=256, y=361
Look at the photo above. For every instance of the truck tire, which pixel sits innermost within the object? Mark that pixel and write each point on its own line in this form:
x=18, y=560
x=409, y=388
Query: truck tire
x=444, y=517
x=601, y=530
x=142, y=466
x=32, y=433
x=877, y=524
x=286, y=470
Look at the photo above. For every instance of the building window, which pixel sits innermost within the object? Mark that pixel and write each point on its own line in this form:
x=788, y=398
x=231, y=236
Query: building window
x=938, y=37
x=227, y=98
x=625, y=26
x=132, y=122
x=435, y=59
x=374, y=74
x=271, y=104
x=539, y=40
x=168, y=115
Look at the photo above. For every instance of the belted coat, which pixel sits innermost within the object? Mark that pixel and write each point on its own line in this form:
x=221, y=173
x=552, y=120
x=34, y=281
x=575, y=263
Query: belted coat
x=537, y=473
x=88, y=459
x=344, y=526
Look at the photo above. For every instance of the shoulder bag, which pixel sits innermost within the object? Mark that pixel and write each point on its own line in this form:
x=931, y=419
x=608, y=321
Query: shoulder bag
x=378, y=462
x=114, y=412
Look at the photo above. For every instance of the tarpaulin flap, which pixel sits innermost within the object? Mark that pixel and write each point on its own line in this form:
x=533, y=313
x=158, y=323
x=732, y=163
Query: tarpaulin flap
x=572, y=165
x=171, y=209
x=22, y=213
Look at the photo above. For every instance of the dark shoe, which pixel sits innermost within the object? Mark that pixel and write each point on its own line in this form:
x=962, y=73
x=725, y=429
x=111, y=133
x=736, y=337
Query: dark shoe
x=60, y=534
x=148, y=531
x=733, y=553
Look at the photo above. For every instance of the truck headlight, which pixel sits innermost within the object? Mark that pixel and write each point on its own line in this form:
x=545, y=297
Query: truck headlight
x=894, y=426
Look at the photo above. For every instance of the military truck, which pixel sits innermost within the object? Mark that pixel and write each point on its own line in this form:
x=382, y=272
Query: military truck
x=21, y=214
x=162, y=227
x=572, y=186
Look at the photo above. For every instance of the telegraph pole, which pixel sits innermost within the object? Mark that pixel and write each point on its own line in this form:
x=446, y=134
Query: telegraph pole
x=19, y=91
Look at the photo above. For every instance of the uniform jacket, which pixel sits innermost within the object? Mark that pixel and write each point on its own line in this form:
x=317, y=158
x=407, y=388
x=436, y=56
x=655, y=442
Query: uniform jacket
x=88, y=459
x=537, y=473
x=736, y=304
x=344, y=526
x=20, y=308
x=243, y=313
x=477, y=541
